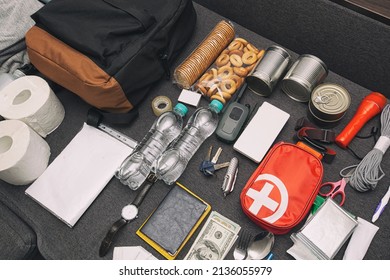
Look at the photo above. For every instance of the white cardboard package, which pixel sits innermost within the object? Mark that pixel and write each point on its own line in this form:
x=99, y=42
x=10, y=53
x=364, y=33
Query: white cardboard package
x=80, y=172
x=261, y=132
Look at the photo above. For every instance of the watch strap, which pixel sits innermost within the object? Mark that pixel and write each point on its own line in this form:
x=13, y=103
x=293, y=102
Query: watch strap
x=107, y=241
x=146, y=186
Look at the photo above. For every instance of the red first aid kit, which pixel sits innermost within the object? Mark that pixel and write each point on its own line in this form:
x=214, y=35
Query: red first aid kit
x=281, y=191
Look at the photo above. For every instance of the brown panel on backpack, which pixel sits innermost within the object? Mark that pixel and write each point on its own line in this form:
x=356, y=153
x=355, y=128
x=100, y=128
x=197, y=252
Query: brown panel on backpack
x=75, y=72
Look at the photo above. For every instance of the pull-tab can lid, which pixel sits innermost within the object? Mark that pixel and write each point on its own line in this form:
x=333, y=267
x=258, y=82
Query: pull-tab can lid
x=329, y=102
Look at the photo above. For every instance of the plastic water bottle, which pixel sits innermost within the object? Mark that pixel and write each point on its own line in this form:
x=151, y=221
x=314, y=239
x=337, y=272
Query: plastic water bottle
x=136, y=167
x=172, y=163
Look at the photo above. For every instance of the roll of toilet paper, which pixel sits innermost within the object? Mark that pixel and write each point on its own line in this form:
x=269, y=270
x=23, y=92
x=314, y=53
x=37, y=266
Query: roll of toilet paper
x=31, y=100
x=24, y=155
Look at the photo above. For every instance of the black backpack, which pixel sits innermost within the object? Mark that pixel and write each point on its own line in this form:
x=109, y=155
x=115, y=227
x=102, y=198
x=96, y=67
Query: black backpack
x=109, y=52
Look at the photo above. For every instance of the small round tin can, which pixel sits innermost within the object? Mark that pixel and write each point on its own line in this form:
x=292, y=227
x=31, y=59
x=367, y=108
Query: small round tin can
x=329, y=102
x=269, y=70
x=303, y=76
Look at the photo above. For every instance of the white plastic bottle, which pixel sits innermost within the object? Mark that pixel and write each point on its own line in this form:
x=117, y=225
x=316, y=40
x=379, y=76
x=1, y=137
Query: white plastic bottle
x=136, y=167
x=203, y=122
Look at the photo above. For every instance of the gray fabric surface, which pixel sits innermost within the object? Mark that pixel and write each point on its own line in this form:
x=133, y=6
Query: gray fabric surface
x=17, y=240
x=57, y=241
x=351, y=44
x=15, y=21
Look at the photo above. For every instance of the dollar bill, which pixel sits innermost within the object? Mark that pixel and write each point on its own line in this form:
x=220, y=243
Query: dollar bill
x=215, y=239
x=229, y=224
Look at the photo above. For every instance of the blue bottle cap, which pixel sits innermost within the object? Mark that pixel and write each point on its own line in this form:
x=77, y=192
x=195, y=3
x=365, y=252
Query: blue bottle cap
x=216, y=105
x=181, y=109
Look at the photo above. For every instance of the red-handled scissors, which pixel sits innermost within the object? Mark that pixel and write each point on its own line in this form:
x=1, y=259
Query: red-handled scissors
x=336, y=188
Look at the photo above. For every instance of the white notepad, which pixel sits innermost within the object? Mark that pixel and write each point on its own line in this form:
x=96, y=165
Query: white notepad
x=261, y=132
x=76, y=177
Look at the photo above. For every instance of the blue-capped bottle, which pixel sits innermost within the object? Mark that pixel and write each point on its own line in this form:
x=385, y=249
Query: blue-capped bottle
x=136, y=167
x=203, y=122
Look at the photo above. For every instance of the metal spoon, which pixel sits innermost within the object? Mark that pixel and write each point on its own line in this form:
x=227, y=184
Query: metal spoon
x=261, y=246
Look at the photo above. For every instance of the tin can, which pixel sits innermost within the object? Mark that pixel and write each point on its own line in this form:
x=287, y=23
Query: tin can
x=269, y=70
x=329, y=102
x=303, y=76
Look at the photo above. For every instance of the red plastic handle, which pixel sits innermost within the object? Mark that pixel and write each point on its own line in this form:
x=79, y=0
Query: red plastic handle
x=370, y=106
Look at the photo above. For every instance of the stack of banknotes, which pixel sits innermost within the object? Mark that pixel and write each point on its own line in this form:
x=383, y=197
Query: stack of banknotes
x=215, y=239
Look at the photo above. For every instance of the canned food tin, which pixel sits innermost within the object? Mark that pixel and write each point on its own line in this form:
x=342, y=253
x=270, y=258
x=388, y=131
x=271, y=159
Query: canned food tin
x=329, y=102
x=304, y=75
x=269, y=70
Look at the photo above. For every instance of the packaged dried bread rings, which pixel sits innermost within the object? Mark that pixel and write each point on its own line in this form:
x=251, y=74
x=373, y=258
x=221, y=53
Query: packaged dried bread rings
x=229, y=70
x=203, y=55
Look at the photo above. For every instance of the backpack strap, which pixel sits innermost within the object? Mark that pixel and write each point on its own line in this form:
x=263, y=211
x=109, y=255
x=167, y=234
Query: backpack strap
x=312, y=135
x=328, y=154
x=322, y=135
x=305, y=128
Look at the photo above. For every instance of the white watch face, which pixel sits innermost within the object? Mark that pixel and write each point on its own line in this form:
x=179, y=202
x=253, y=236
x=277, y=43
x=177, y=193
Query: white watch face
x=129, y=212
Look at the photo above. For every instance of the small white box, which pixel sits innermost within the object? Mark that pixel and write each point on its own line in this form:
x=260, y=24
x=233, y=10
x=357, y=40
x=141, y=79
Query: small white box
x=189, y=97
x=261, y=132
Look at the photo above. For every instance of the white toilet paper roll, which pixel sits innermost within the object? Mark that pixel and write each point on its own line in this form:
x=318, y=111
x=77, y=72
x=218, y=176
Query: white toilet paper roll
x=31, y=100
x=24, y=155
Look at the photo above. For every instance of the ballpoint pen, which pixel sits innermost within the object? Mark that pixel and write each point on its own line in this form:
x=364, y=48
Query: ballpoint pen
x=381, y=206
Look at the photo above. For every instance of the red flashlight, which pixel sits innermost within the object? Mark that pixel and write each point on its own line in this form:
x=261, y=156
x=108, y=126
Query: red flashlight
x=370, y=106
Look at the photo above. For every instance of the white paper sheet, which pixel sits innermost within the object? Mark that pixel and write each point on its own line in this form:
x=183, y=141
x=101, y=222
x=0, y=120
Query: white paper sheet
x=132, y=253
x=76, y=177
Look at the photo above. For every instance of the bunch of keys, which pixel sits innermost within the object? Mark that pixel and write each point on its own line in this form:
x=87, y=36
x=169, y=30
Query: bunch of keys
x=208, y=167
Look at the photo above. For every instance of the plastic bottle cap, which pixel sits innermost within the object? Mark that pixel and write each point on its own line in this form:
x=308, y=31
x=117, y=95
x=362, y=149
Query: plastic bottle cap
x=216, y=105
x=181, y=109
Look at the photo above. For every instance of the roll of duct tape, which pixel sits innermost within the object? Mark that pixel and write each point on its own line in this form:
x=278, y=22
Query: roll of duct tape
x=161, y=104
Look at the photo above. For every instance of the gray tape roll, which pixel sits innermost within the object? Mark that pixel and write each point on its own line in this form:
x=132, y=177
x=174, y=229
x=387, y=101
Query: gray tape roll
x=161, y=104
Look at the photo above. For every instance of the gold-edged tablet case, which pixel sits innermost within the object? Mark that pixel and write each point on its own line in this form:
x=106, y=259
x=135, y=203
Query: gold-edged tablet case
x=174, y=221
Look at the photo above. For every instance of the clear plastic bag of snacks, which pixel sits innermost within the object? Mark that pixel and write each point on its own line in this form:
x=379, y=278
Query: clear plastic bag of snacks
x=186, y=74
x=228, y=72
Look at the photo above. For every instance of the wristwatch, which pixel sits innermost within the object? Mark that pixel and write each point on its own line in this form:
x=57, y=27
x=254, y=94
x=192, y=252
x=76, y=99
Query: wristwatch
x=129, y=213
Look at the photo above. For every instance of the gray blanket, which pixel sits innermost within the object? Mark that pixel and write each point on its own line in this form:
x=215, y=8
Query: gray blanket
x=15, y=22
